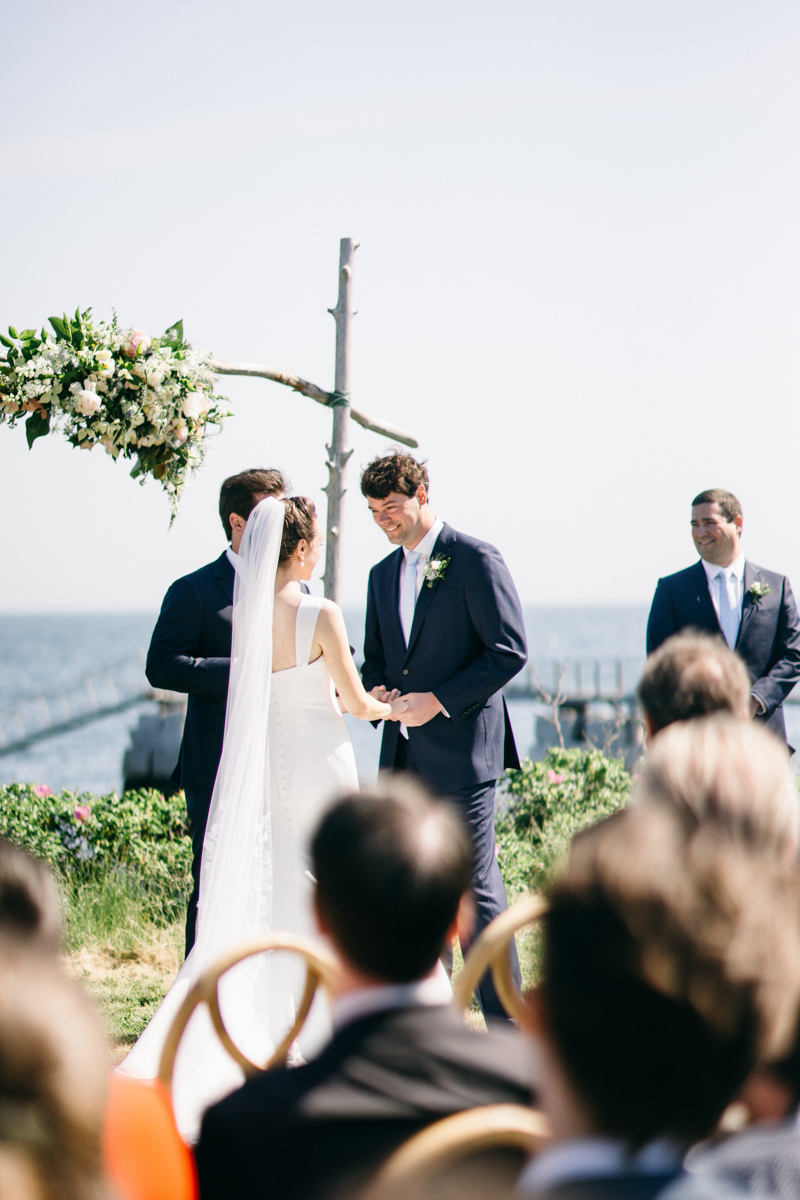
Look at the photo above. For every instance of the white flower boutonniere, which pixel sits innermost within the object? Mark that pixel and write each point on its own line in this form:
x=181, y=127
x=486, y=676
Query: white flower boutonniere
x=435, y=570
x=758, y=590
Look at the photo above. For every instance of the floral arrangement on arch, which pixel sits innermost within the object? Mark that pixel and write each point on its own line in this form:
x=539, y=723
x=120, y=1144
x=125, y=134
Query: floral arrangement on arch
x=151, y=399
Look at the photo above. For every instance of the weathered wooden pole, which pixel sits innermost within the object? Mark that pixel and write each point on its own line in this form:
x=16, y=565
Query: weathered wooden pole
x=339, y=449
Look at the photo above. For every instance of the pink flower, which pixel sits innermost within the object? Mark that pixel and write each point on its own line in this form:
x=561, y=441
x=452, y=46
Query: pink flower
x=82, y=812
x=552, y=777
x=137, y=342
x=42, y=789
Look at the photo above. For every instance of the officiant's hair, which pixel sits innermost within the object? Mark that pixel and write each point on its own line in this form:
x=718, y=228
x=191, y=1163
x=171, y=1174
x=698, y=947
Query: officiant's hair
x=729, y=506
x=391, y=865
x=240, y=493
x=393, y=472
x=691, y=675
x=668, y=971
x=298, y=525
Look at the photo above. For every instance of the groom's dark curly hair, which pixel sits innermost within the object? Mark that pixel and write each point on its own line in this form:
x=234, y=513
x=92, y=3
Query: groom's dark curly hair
x=393, y=472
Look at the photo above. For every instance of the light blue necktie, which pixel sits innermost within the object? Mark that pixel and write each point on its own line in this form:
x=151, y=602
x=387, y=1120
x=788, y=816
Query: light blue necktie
x=728, y=614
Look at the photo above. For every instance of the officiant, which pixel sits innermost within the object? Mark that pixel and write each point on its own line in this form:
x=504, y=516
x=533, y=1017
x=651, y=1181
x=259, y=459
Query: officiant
x=190, y=651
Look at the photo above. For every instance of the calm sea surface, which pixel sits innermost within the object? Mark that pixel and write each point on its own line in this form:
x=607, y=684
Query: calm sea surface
x=45, y=653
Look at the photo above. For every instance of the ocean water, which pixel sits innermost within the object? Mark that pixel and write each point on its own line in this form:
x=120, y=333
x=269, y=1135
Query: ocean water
x=45, y=653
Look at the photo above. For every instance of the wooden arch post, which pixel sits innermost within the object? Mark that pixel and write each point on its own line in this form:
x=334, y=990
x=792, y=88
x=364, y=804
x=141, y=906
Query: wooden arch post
x=339, y=400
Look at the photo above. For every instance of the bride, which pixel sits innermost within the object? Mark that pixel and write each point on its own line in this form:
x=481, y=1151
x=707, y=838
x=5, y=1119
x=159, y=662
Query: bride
x=285, y=756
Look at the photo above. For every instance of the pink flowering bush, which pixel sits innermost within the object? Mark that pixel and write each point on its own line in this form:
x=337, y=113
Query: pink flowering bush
x=546, y=803
x=141, y=837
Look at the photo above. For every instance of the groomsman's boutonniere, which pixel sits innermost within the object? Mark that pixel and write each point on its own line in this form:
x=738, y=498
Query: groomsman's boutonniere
x=435, y=570
x=758, y=590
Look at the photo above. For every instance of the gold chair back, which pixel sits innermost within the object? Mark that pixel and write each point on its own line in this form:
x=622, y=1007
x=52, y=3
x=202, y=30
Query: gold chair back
x=321, y=968
x=417, y=1167
x=490, y=951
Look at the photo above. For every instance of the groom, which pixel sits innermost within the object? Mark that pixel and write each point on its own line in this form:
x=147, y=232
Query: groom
x=190, y=651
x=444, y=626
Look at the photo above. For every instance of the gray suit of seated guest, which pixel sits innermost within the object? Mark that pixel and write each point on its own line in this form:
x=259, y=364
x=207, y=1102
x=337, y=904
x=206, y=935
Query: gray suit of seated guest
x=391, y=868
x=190, y=651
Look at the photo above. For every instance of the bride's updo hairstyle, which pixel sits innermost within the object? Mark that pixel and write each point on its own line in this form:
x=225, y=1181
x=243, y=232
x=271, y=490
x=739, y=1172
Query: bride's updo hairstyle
x=298, y=524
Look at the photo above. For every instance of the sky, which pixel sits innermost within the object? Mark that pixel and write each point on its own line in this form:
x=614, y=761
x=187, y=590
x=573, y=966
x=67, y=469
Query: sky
x=577, y=281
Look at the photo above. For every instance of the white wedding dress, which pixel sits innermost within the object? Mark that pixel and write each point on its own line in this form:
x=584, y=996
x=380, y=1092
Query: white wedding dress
x=286, y=756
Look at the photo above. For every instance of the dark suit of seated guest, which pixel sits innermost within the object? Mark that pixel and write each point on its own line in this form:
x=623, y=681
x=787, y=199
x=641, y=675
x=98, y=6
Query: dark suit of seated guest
x=668, y=968
x=392, y=869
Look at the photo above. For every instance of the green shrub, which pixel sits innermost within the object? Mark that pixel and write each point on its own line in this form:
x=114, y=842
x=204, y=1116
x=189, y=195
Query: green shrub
x=548, y=802
x=137, y=843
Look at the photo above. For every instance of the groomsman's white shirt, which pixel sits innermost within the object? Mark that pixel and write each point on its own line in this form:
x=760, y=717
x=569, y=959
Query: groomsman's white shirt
x=412, y=575
x=732, y=580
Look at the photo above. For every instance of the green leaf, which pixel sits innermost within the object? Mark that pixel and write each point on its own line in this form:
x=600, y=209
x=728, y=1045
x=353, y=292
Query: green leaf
x=36, y=426
x=61, y=327
x=175, y=333
x=27, y=334
x=13, y=331
x=6, y=342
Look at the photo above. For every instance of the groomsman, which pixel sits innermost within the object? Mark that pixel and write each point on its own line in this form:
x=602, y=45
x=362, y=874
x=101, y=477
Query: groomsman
x=728, y=595
x=190, y=651
x=444, y=627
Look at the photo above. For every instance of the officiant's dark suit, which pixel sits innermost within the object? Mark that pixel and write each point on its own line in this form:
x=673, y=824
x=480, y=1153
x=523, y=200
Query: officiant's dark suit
x=466, y=642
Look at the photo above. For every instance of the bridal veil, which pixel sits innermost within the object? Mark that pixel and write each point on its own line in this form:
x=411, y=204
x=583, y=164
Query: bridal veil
x=236, y=879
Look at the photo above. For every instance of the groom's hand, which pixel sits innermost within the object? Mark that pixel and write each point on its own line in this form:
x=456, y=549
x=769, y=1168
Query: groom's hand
x=422, y=707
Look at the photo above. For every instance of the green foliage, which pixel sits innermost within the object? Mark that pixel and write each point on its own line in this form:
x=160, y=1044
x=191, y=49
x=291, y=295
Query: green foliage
x=136, y=844
x=549, y=802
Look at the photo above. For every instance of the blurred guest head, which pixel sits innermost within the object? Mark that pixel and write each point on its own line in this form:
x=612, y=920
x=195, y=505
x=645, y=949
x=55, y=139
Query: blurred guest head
x=29, y=909
x=53, y=1079
x=730, y=774
x=392, y=866
x=669, y=968
x=691, y=675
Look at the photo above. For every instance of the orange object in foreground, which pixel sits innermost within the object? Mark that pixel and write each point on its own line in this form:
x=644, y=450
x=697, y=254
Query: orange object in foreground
x=145, y=1156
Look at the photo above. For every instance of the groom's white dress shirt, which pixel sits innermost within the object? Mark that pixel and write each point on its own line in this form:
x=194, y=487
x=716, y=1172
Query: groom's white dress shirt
x=412, y=577
x=726, y=589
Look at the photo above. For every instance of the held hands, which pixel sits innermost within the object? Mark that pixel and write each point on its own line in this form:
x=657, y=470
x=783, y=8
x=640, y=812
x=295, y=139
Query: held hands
x=421, y=708
x=396, y=705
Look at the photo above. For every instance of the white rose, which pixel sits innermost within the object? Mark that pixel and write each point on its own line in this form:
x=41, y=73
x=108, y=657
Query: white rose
x=195, y=405
x=86, y=399
x=104, y=362
x=154, y=375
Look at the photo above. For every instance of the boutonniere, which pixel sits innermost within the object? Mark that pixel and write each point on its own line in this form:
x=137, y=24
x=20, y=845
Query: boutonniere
x=758, y=590
x=435, y=570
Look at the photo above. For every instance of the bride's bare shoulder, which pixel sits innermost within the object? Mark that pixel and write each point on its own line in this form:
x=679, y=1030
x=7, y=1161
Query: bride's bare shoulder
x=330, y=616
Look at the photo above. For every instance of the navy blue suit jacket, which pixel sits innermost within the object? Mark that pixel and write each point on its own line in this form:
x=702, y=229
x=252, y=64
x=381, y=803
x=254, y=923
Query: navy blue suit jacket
x=467, y=641
x=769, y=633
x=190, y=651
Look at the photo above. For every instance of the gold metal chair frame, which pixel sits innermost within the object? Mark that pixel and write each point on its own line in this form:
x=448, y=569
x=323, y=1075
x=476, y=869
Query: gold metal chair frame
x=321, y=968
x=490, y=951
x=418, y=1161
